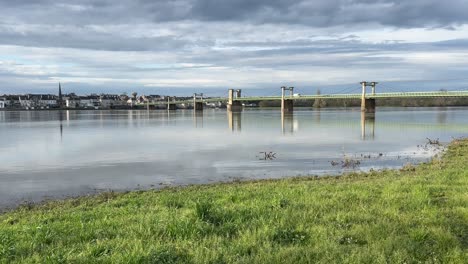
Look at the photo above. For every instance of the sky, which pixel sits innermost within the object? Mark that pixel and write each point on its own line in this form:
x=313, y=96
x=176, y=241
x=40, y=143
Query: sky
x=185, y=46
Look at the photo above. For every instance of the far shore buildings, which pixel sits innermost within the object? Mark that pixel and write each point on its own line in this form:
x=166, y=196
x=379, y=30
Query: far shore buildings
x=37, y=101
x=73, y=101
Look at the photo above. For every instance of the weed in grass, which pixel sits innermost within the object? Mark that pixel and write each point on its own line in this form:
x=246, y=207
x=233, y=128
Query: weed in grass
x=7, y=246
x=351, y=240
x=408, y=167
x=205, y=212
x=100, y=251
x=284, y=203
x=174, y=202
x=166, y=255
x=286, y=236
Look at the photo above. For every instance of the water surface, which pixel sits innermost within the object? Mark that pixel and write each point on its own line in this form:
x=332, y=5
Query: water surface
x=67, y=153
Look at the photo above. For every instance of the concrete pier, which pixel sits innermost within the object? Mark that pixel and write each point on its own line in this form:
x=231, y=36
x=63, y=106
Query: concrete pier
x=368, y=104
x=198, y=105
x=232, y=105
x=287, y=105
x=169, y=105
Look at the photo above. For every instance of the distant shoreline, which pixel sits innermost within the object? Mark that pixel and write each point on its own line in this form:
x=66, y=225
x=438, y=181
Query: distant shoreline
x=258, y=107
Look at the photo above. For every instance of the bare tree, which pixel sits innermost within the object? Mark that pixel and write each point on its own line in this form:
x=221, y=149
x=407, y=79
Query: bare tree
x=319, y=102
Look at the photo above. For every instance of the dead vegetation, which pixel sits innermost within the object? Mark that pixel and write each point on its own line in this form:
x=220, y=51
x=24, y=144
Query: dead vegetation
x=264, y=155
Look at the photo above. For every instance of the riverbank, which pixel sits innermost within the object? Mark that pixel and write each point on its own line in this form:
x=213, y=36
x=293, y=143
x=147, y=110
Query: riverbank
x=416, y=214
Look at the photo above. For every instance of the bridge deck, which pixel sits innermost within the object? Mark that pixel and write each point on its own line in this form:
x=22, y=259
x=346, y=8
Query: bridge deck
x=326, y=96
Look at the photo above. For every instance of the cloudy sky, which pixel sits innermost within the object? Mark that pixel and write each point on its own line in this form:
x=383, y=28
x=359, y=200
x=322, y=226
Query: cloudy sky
x=185, y=46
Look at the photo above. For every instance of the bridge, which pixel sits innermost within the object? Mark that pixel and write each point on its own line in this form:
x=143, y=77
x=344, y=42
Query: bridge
x=234, y=99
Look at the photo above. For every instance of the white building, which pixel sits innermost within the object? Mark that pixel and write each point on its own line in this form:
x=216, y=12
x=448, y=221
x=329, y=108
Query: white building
x=89, y=101
x=109, y=101
x=26, y=102
x=2, y=104
x=72, y=102
x=47, y=101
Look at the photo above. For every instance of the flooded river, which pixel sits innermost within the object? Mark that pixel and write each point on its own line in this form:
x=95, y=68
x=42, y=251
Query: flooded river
x=56, y=154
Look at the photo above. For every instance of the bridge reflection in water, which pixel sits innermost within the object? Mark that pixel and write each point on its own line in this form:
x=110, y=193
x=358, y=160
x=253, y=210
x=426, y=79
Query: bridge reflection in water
x=235, y=121
x=290, y=124
x=290, y=121
x=367, y=126
x=198, y=119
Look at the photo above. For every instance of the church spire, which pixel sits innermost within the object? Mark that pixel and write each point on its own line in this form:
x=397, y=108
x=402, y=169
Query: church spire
x=60, y=95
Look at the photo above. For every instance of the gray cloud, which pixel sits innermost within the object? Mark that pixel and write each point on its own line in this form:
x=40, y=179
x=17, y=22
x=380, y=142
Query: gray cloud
x=317, y=13
x=213, y=44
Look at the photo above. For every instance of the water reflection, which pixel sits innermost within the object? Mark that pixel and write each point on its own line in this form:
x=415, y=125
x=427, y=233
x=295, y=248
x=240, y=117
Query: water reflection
x=235, y=120
x=198, y=119
x=71, y=152
x=317, y=116
x=442, y=115
x=288, y=124
x=62, y=115
x=367, y=126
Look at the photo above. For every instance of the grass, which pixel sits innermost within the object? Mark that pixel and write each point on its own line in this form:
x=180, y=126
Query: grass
x=418, y=214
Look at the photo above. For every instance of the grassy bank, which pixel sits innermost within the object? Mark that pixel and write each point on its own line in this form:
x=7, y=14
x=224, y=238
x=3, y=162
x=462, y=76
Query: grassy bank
x=414, y=215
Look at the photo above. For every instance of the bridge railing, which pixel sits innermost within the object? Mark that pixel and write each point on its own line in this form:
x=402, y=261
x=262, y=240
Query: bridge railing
x=324, y=96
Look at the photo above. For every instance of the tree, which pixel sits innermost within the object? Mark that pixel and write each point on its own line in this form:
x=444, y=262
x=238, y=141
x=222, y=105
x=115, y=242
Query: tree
x=134, y=95
x=319, y=102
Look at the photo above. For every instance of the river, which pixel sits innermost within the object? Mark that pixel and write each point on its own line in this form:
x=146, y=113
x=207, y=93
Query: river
x=56, y=154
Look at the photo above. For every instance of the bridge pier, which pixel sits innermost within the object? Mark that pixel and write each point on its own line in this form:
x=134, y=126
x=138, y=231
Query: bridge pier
x=234, y=106
x=197, y=106
x=287, y=105
x=368, y=104
x=170, y=106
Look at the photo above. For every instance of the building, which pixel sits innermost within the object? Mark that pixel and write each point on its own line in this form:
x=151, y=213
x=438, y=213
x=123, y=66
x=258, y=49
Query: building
x=37, y=101
x=12, y=101
x=111, y=101
x=26, y=101
x=71, y=101
x=89, y=101
x=47, y=101
x=2, y=103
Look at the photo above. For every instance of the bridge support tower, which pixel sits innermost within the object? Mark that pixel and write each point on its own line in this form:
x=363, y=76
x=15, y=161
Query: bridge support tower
x=368, y=104
x=287, y=105
x=169, y=105
x=198, y=105
x=234, y=106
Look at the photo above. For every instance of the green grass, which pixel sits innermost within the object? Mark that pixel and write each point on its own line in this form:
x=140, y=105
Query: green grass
x=413, y=215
